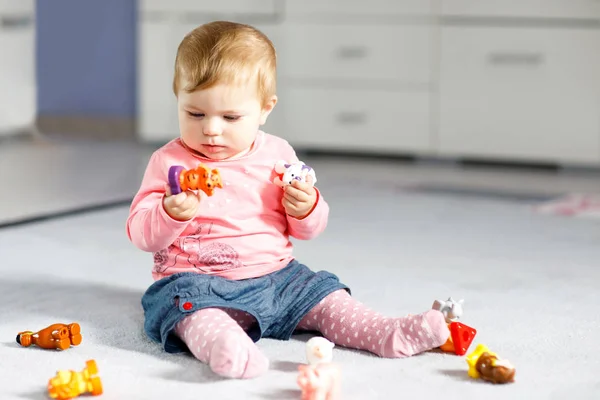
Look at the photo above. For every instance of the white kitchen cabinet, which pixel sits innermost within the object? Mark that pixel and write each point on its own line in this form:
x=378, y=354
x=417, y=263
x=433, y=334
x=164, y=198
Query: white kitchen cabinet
x=511, y=80
x=18, y=92
x=359, y=120
x=336, y=8
x=226, y=7
x=580, y=9
x=333, y=52
x=157, y=106
x=520, y=94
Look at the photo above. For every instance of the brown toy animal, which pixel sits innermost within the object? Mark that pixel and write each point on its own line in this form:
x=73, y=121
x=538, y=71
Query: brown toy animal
x=493, y=370
x=486, y=365
x=56, y=336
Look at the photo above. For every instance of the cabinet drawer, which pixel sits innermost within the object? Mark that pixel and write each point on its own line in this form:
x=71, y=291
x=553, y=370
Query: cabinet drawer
x=400, y=53
x=357, y=7
x=215, y=7
x=521, y=94
x=523, y=8
x=356, y=120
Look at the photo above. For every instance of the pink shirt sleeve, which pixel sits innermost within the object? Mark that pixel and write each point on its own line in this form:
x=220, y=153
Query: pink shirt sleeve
x=315, y=222
x=149, y=227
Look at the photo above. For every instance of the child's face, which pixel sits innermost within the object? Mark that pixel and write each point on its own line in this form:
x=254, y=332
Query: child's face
x=222, y=121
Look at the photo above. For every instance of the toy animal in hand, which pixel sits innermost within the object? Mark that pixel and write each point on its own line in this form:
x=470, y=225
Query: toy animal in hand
x=294, y=171
x=200, y=178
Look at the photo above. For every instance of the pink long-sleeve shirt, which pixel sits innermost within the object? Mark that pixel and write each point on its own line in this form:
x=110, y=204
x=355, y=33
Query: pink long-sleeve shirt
x=241, y=231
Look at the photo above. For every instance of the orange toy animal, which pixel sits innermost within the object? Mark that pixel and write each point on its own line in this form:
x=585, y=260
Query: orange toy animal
x=70, y=384
x=56, y=336
x=199, y=178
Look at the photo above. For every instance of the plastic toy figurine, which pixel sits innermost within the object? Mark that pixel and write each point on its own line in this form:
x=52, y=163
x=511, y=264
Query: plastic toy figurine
x=199, y=178
x=461, y=337
x=290, y=172
x=319, y=350
x=451, y=309
x=486, y=365
x=56, y=336
x=70, y=384
x=320, y=382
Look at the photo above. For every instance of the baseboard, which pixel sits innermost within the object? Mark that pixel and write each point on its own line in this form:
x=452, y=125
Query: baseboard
x=87, y=127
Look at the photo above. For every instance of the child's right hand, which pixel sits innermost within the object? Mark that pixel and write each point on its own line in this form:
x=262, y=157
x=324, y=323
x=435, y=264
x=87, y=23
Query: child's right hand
x=182, y=206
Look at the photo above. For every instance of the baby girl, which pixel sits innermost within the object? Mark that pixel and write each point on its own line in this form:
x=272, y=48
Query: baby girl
x=224, y=271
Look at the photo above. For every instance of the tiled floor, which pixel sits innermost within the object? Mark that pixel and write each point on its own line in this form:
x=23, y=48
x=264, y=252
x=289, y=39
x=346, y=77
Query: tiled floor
x=45, y=177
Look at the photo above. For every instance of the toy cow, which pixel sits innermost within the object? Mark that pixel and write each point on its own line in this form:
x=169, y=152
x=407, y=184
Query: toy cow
x=288, y=172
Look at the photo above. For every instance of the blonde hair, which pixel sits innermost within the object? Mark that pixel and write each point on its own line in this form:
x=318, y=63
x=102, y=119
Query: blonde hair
x=225, y=52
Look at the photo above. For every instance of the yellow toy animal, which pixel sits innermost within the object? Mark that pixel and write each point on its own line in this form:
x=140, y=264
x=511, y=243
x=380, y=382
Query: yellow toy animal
x=70, y=384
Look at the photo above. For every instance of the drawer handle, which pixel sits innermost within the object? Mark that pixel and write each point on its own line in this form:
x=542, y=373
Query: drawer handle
x=9, y=22
x=351, y=118
x=352, y=52
x=531, y=59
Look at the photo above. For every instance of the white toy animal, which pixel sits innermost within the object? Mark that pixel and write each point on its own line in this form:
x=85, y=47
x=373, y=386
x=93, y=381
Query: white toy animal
x=319, y=350
x=451, y=309
x=294, y=171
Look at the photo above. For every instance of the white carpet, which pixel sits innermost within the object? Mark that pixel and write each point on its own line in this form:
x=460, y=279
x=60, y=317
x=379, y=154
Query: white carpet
x=530, y=284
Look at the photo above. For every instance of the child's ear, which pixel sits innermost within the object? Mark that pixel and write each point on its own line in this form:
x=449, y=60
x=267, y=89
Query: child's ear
x=267, y=108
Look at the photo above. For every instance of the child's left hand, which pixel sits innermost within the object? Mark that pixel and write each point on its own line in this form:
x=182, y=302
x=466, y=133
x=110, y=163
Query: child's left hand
x=299, y=198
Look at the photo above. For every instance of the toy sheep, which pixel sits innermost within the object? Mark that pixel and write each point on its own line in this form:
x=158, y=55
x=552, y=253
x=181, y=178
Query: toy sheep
x=319, y=350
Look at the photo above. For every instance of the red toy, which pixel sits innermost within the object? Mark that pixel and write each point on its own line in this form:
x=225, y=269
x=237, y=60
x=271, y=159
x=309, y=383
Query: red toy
x=199, y=178
x=461, y=337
